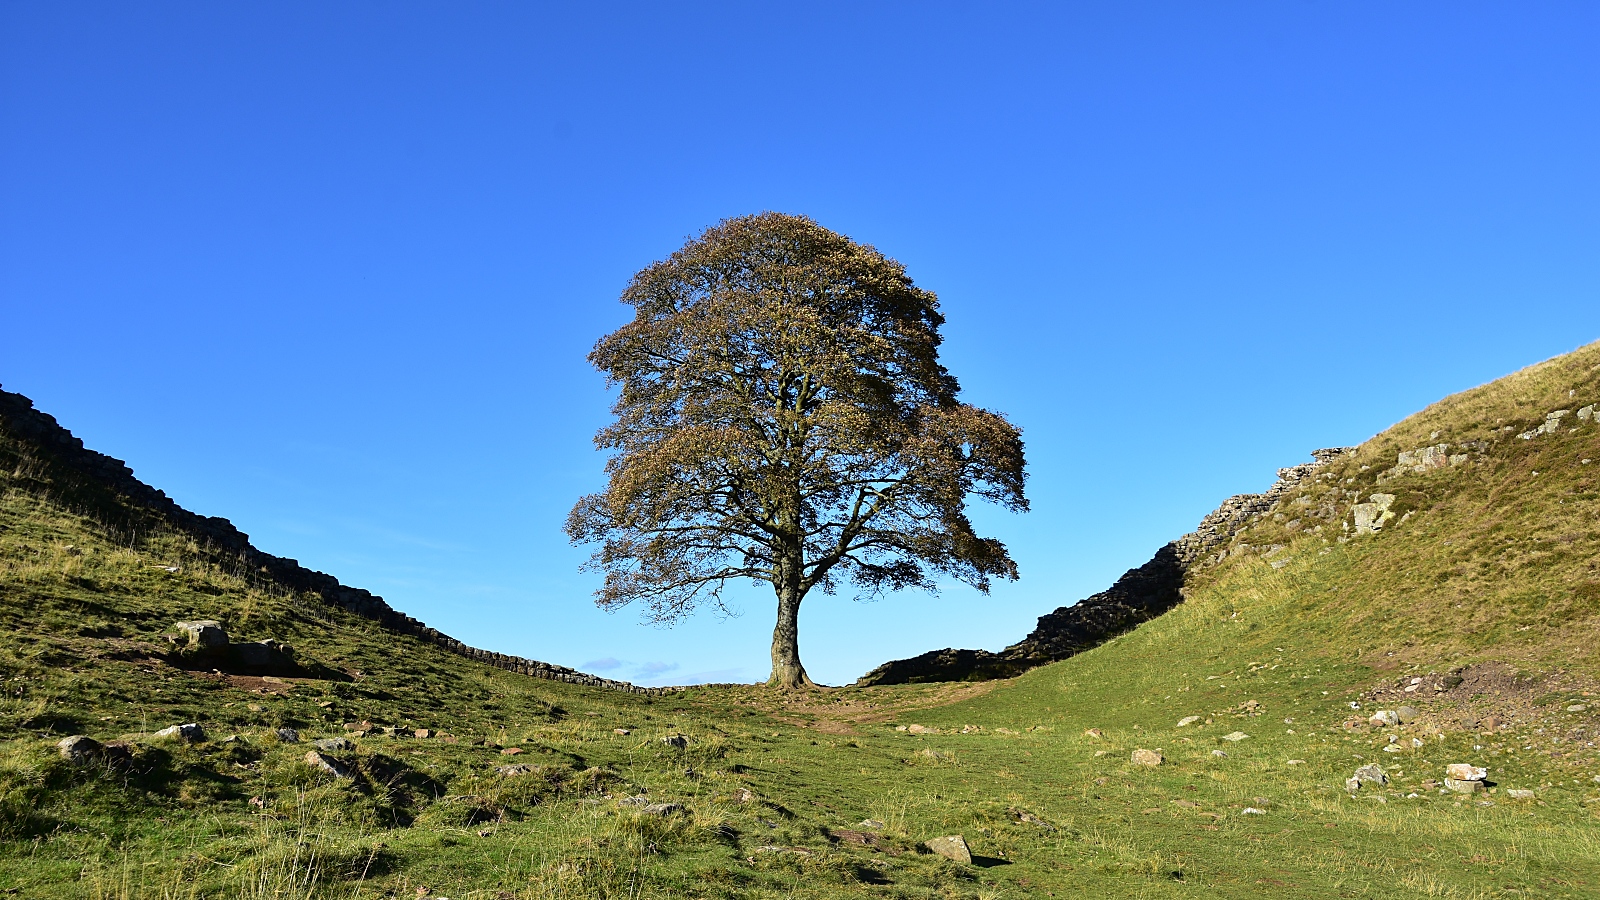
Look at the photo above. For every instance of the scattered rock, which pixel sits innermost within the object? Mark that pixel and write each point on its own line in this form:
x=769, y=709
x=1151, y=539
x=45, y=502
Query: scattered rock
x=952, y=847
x=622, y=731
x=1408, y=714
x=1297, y=762
x=423, y=733
x=362, y=727
x=1220, y=754
x=1577, y=707
x=1370, y=517
x=80, y=749
x=675, y=741
x=288, y=735
x=1384, y=718
x=1146, y=758
x=1186, y=721
x=1519, y=794
x=513, y=770
x=1235, y=736
x=1094, y=733
x=511, y=751
x=206, y=634
x=663, y=809
x=332, y=745
x=1252, y=811
x=638, y=800
x=328, y=764
x=1465, y=772
x=870, y=823
x=190, y=733
x=921, y=729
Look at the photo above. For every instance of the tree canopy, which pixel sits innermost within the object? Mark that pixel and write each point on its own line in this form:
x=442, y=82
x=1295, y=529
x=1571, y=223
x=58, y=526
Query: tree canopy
x=783, y=417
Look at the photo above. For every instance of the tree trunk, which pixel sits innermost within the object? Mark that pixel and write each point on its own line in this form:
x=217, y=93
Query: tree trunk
x=787, y=672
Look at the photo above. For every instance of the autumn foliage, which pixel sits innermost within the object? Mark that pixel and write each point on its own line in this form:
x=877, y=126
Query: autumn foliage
x=783, y=417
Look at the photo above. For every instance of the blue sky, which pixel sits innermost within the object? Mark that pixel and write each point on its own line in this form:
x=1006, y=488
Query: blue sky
x=331, y=270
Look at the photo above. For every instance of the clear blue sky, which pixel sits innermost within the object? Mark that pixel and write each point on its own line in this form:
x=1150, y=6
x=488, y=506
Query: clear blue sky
x=331, y=270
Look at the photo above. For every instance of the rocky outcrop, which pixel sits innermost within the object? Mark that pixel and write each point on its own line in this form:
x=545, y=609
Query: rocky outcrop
x=51, y=461
x=1138, y=596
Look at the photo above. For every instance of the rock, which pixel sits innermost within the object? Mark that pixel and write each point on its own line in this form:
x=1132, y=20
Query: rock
x=80, y=749
x=362, y=727
x=869, y=823
x=1465, y=772
x=332, y=745
x=663, y=809
x=511, y=751
x=921, y=729
x=423, y=733
x=1235, y=736
x=622, y=731
x=513, y=770
x=1094, y=733
x=1586, y=414
x=190, y=733
x=288, y=735
x=1186, y=721
x=639, y=800
x=743, y=795
x=1252, y=811
x=1297, y=762
x=262, y=654
x=1371, y=773
x=328, y=764
x=1519, y=794
x=675, y=741
x=1146, y=758
x=952, y=847
x=1384, y=718
x=1220, y=754
x=1577, y=707
x=1462, y=787
x=206, y=634
x=1408, y=714
x=1370, y=517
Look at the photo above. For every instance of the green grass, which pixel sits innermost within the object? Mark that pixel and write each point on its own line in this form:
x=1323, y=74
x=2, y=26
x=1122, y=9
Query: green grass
x=1494, y=570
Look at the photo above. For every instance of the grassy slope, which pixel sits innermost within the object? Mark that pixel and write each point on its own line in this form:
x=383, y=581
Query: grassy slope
x=1494, y=570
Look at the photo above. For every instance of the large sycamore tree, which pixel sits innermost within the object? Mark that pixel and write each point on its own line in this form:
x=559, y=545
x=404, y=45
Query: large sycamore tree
x=783, y=418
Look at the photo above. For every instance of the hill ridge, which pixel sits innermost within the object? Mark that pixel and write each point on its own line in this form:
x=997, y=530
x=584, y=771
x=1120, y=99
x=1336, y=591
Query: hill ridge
x=60, y=449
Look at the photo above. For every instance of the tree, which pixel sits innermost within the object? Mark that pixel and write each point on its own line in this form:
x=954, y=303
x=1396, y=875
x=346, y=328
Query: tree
x=783, y=417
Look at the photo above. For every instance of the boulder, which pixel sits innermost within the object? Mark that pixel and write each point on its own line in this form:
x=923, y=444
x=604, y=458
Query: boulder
x=324, y=763
x=1462, y=787
x=80, y=749
x=1384, y=718
x=206, y=634
x=268, y=654
x=190, y=733
x=1465, y=772
x=1147, y=758
x=952, y=847
x=1371, y=773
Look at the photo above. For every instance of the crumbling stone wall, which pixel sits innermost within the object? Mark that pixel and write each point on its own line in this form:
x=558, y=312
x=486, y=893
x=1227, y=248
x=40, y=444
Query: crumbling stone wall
x=1138, y=596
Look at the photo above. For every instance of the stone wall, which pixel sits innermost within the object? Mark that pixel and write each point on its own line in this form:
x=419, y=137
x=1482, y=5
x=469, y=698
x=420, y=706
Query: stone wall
x=72, y=465
x=1138, y=596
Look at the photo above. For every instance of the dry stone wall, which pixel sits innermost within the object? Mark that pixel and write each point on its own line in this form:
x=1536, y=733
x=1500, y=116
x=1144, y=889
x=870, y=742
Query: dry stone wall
x=1139, y=595
x=73, y=465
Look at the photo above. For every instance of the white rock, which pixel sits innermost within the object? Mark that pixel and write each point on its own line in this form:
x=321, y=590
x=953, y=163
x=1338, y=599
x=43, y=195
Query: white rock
x=1187, y=721
x=1465, y=772
x=1236, y=736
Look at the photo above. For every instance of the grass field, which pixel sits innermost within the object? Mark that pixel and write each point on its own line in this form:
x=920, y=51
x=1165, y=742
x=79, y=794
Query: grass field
x=1484, y=583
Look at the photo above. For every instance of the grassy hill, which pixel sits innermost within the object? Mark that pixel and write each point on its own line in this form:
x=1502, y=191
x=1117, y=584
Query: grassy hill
x=1479, y=592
